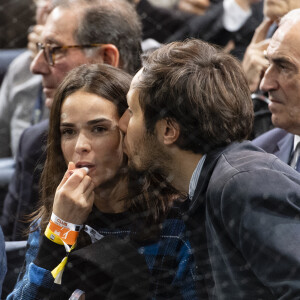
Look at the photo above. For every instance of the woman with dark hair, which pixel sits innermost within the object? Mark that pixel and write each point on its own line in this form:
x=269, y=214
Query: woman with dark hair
x=98, y=229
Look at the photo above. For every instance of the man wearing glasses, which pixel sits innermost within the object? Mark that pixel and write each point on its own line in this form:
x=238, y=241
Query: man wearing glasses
x=76, y=32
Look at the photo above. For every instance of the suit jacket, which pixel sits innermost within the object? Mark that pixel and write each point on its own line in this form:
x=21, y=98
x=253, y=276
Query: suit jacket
x=23, y=190
x=244, y=221
x=278, y=142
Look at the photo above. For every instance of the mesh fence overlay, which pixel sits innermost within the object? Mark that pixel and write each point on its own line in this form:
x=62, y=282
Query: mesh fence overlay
x=16, y=16
x=118, y=265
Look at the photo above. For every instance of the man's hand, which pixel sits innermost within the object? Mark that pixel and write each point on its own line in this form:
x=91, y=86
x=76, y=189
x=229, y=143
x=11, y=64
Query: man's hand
x=74, y=196
x=254, y=62
x=197, y=7
x=246, y=4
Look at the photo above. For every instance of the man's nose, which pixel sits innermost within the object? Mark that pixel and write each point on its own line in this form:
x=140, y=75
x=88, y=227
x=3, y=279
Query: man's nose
x=123, y=122
x=268, y=82
x=39, y=64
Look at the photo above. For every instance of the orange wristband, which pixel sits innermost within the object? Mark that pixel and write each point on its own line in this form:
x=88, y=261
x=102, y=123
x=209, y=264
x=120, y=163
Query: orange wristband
x=67, y=235
x=52, y=237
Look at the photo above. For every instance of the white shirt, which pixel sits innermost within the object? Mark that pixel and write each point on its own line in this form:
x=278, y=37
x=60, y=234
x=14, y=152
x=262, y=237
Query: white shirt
x=195, y=177
x=234, y=16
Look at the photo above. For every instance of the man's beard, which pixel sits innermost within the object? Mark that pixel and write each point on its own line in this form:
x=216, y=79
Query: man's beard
x=150, y=157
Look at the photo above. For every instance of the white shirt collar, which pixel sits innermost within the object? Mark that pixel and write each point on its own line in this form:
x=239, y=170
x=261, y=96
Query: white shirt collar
x=296, y=141
x=195, y=177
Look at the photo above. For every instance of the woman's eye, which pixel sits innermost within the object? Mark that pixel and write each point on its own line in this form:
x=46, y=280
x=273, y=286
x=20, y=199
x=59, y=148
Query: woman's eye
x=99, y=129
x=68, y=132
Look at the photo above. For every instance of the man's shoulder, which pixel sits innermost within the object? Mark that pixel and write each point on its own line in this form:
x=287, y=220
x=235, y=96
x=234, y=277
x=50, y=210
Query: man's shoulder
x=34, y=138
x=246, y=170
x=35, y=131
x=269, y=140
x=245, y=160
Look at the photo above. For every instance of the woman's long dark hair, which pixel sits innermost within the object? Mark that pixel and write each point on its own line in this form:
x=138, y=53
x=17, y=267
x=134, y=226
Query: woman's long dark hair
x=112, y=84
x=102, y=80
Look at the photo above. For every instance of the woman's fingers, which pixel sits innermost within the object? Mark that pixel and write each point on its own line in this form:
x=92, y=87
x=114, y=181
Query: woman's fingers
x=69, y=172
x=74, y=196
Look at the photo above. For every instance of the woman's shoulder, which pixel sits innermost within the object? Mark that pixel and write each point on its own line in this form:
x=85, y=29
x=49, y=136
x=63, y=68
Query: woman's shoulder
x=34, y=234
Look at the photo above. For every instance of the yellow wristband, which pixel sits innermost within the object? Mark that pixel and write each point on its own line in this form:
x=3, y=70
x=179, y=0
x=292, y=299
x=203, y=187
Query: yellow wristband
x=53, y=237
x=58, y=271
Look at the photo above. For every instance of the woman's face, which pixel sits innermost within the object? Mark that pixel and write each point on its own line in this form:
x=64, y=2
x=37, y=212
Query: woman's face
x=90, y=135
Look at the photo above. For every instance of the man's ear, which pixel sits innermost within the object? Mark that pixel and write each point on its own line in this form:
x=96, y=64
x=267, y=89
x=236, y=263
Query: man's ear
x=168, y=131
x=110, y=55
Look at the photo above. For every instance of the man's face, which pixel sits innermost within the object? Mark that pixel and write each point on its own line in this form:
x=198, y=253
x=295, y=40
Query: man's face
x=58, y=31
x=275, y=9
x=144, y=150
x=282, y=78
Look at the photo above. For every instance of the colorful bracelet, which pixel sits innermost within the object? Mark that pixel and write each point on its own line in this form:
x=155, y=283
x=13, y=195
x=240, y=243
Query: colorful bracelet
x=65, y=234
x=53, y=237
x=62, y=233
x=74, y=227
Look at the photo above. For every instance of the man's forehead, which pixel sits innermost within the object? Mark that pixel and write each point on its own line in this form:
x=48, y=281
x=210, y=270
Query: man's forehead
x=136, y=79
x=132, y=93
x=60, y=26
x=285, y=39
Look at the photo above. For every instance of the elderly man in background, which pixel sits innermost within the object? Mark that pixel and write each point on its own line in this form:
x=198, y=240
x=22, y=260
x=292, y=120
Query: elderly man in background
x=282, y=83
x=255, y=63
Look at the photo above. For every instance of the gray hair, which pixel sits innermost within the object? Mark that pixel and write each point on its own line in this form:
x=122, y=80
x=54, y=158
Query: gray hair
x=110, y=22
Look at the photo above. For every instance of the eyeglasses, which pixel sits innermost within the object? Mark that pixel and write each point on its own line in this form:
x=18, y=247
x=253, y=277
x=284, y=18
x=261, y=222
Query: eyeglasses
x=50, y=52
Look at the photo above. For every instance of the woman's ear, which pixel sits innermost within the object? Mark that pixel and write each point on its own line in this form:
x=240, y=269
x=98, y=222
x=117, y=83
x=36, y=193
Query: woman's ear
x=110, y=55
x=168, y=131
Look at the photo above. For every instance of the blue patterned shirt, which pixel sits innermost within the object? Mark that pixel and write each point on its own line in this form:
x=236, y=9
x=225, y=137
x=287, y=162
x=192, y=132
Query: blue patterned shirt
x=170, y=261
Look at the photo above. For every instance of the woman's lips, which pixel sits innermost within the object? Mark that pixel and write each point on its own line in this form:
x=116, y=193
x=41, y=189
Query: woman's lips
x=89, y=167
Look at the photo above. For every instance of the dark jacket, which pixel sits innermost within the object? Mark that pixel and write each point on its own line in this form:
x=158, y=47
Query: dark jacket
x=23, y=191
x=278, y=142
x=244, y=223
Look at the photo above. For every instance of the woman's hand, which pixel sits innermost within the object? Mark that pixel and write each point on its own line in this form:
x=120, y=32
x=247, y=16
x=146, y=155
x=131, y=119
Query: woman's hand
x=74, y=196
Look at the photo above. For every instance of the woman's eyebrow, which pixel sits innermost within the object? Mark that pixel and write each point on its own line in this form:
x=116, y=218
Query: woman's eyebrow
x=66, y=124
x=99, y=120
x=91, y=122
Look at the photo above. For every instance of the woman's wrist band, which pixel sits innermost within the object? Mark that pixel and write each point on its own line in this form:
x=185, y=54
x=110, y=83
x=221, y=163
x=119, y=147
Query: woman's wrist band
x=65, y=234
x=53, y=237
x=60, y=231
x=74, y=227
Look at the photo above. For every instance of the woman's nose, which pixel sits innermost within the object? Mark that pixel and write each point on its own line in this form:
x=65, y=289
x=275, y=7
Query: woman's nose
x=83, y=144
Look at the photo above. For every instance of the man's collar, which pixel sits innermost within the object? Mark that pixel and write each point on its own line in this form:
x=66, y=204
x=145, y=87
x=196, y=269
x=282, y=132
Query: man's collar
x=195, y=177
x=296, y=141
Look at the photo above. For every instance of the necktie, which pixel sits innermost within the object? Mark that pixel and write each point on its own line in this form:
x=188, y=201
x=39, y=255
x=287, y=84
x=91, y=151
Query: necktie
x=38, y=107
x=295, y=162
